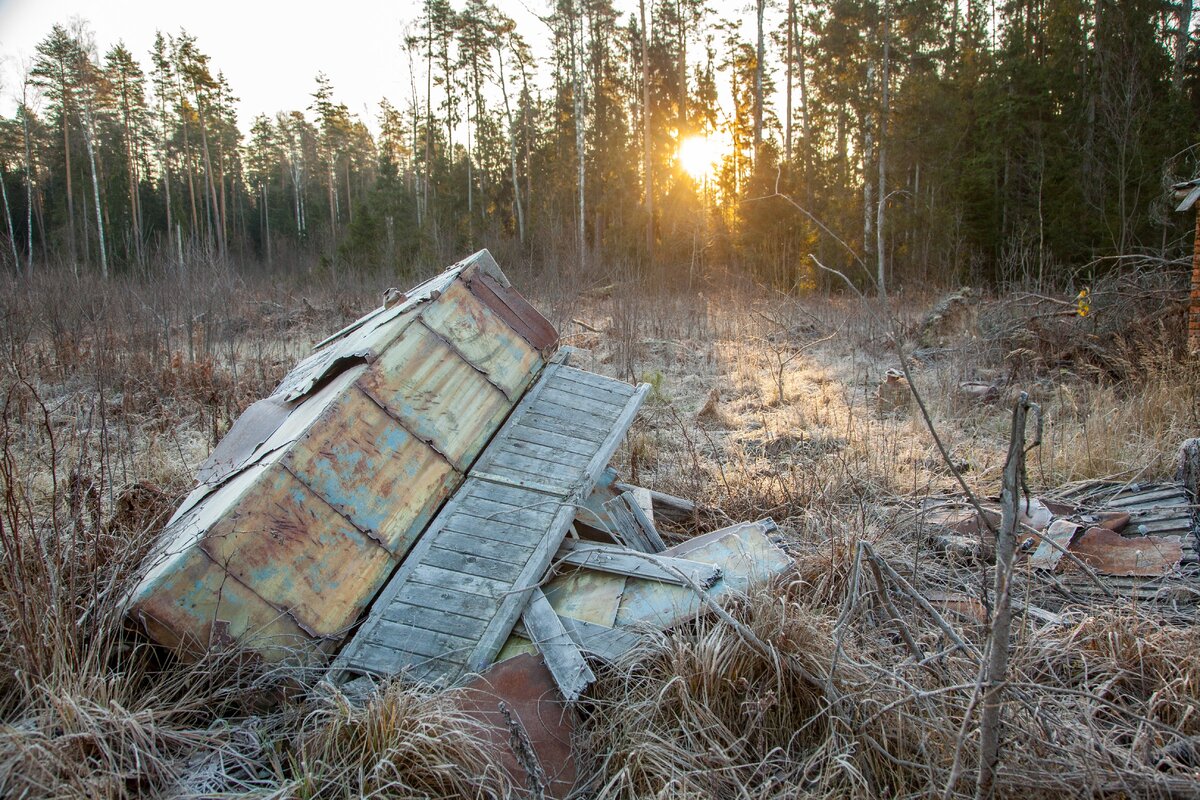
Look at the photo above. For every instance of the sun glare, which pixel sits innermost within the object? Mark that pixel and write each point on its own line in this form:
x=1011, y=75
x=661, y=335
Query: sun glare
x=698, y=156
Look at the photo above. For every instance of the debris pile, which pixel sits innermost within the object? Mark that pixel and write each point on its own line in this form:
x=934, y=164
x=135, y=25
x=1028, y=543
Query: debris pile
x=428, y=494
x=1095, y=539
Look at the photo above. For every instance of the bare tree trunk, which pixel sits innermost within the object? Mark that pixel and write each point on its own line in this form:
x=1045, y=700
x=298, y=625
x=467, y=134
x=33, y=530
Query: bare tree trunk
x=512, y=147
x=576, y=60
x=70, y=191
x=266, y=222
x=996, y=668
x=760, y=54
x=1182, y=34
x=787, y=120
x=647, y=165
x=28, y=184
x=88, y=137
x=12, y=236
x=880, y=248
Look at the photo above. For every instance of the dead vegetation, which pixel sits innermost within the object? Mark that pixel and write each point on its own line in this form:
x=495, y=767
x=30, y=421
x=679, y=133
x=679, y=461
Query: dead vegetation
x=833, y=683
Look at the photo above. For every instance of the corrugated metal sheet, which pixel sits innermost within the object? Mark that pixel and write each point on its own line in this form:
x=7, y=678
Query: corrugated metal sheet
x=306, y=510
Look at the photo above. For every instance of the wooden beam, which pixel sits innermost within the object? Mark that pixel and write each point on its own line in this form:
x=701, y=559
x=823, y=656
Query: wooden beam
x=566, y=663
x=626, y=561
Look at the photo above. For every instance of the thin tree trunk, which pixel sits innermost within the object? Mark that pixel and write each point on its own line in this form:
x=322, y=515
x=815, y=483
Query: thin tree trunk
x=880, y=248
x=28, y=189
x=647, y=165
x=12, y=236
x=89, y=136
x=760, y=54
x=512, y=146
x=996, y=668
x=1181, y=43
x=787, y=122
x=576, y=58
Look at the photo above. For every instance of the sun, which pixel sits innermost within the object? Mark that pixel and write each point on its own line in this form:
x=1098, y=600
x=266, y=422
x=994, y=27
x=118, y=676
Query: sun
x=698, y=155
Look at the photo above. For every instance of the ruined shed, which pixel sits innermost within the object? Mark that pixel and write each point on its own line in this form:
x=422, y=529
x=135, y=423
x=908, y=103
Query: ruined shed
x=320, y=490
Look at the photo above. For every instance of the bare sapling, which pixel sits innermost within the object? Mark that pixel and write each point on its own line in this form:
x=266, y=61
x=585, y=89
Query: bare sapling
x=995, y=668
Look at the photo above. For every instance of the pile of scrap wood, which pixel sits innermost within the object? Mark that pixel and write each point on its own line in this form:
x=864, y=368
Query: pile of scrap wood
x=1095, y=539
x=427, y=494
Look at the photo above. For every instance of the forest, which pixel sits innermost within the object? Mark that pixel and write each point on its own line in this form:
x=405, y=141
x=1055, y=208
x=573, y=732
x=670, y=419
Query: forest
x=894, y=141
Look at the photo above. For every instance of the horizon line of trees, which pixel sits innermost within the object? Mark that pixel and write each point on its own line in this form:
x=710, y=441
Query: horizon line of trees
x=891, y=140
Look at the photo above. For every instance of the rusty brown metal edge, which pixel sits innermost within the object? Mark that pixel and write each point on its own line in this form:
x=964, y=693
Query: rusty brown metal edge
x=515, y=310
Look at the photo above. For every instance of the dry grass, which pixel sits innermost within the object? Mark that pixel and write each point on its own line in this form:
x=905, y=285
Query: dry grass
x=762, y=405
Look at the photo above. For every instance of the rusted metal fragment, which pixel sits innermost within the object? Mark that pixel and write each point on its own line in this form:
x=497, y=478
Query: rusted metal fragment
x=515, y=310
x=253, y=427
x=1112, y=554
x=1061, y=532
x=436, y=395
x=526, y=688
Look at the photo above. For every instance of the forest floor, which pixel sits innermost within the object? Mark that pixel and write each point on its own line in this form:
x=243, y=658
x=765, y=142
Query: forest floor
x=762, y=405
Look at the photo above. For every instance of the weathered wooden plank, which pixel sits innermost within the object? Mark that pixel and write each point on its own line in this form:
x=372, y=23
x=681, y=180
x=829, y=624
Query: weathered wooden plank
x=479, y=541
x=429, y=575
x=436, y=598
x=418, y=616
x=471, y=562
x=519, y=535
x=532, y=468
x=625, y=561
x=666, y=506
x=534, y=464
x=551, y=440
x=624, y=526
x=565, y=422
x=1171, y=495
x=580, y=377
x=538, y=453
x=644, y=522
x=533, y=517
x=419, y=640
x=571, y=408
x=567, y=665
x=613, y=394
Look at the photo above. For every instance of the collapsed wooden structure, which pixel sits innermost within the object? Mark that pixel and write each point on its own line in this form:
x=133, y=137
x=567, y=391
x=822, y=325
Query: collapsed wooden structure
x=430, y=492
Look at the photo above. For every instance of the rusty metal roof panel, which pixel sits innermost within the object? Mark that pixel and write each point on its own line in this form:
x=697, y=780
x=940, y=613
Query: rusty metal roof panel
x=303, y=517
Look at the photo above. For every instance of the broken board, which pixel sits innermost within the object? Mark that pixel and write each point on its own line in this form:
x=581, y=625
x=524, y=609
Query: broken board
x=453, y=602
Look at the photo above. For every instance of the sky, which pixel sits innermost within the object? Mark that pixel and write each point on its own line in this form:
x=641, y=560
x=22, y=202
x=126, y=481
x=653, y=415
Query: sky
x=269, y=51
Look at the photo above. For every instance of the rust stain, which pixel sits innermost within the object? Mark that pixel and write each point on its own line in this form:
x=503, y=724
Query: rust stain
x=515, y=310
x=436, y=395
x=527, y=690
x=298, y=554
x=1112, y=554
